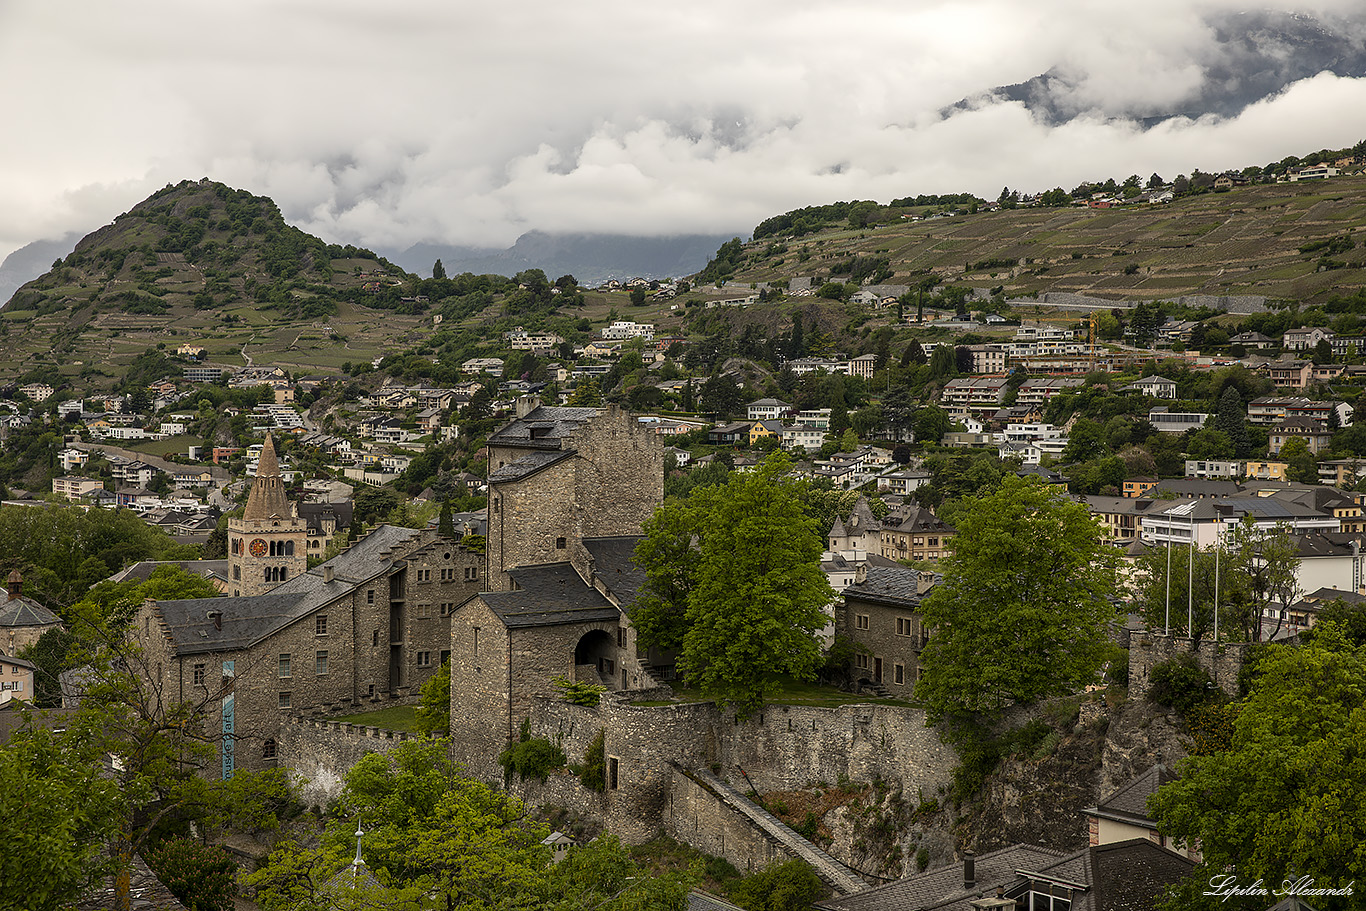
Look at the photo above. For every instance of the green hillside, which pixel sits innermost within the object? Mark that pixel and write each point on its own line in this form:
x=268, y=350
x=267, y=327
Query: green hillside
x=1271, y=240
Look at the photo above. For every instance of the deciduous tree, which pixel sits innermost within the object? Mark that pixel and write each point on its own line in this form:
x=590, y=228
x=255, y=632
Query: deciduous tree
x=1022, y=611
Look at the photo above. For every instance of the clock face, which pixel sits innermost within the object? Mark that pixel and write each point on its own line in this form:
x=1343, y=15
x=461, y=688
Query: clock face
x=258, y=548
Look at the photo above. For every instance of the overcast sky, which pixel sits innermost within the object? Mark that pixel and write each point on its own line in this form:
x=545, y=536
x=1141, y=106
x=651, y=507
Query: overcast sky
x=386, y=124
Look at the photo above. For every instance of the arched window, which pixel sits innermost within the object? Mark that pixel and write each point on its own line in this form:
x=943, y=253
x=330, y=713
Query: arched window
x=289, y=548
x=284, y=573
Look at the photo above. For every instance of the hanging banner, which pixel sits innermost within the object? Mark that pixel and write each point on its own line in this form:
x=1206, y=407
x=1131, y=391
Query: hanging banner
x=229, y=738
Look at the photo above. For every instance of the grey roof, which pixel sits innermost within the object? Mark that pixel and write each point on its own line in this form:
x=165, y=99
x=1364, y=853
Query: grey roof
x=543, y=427
x=705, y=901
x=549, y=594
x=614, y=563
x=916, y=518
x=528, y=464
x=889, y=585
x=943, y=888
x=1323, y=544
x=17, y=612
x=313, y=513
x=246, y=621
x=142, y=571
x=1130, y=802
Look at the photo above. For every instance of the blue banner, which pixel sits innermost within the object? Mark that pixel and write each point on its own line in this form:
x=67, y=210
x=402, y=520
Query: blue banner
x=229, y=739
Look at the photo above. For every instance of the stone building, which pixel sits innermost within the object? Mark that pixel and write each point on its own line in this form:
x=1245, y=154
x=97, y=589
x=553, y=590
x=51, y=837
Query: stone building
x=367, y=627
x=22, y=620
x=881, y=613
x=269, y=543
x=569, y=492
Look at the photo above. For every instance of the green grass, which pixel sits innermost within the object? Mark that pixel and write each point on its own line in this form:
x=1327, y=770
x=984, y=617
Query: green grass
x=397, y=718
x=160, y=448
x=794, y=692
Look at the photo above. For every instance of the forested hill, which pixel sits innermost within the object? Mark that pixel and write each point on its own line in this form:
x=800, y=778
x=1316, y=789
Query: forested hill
x=1302, y=242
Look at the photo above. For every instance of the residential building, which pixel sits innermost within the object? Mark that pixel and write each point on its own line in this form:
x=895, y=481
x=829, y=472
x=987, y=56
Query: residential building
x=861, y=534
x=520, y=339
x=881, y=613
x=733, y=434
x=1213, y=469
x=1137, y=487
x=914, y=533
x=16, y=679
x=1315, y=436
x=767, y=410
x=626, y=329
x=975, y=393
x=1289, y=374
x=476, y=365
x=761, y=429
x=1305, y=339
x=988, y=358
x=1209, y=521
x=801, y=436
x=1259, y=470
x=1159, y=387
x=1039, y=390
x=1124, y=815
x=815, y=417
x=74, y=488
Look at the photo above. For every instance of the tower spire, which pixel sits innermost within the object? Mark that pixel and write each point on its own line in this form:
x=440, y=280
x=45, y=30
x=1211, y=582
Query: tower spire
x=267, y=498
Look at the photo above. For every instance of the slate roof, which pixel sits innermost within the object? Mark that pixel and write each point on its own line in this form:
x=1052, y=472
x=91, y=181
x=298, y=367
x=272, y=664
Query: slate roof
x=943, y=888
x=543, y=427
x=529, y=464
x=19, y=612
x=548, y=594
x=1130, y=803
x=1122, y=876
x=142, y=571
x=614, y=563
x=246, y=621
x=313, y=513
x=888, y=585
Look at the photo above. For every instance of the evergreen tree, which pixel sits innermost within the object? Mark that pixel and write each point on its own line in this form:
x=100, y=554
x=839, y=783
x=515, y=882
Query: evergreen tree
x=438, y=270
x=1230, y=419
x=445, y=525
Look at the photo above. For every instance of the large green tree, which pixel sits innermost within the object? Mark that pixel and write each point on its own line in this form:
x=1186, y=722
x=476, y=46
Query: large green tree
x=1287, y=799
x=734, y=584
x=1022, y=610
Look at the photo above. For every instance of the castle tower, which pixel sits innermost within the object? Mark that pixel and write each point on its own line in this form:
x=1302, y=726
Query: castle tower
x=268, y=545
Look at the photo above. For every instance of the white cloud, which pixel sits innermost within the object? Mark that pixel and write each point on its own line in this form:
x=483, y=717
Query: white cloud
x=387, y=125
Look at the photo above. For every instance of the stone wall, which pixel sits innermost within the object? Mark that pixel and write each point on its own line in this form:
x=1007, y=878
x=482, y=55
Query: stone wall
x=1222, y=661
x=697, y=817
x=780, y=748
x=320, y=752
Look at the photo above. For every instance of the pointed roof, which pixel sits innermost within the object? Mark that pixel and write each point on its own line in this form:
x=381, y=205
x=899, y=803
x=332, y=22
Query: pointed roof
x=861, y=517
x=267, y=498
x=837, y=529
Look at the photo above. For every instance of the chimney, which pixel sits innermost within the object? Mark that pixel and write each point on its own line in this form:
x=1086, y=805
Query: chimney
x=861, y=574
x=527, y=404
x=327, y=572
x=16, y=585
x=969, y=870
x=924, y=581
x=217, y=617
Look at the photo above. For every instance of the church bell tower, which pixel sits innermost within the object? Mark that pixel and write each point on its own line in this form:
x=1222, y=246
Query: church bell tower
x=267, y=545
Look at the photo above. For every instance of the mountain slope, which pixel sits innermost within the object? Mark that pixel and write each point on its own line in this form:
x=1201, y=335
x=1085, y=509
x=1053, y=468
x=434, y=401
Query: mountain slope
x=1251, y=56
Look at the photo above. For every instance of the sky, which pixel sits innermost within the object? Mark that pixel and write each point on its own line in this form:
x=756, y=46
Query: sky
x=388, y=124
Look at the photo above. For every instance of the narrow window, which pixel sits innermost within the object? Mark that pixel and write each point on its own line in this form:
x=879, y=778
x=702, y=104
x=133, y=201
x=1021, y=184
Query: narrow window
x=476, y=640
x=320, y=663
x=199, y=675
x=559, y=543
x=612, y=769
x=284, y=665
x=370, y=596
x=320, y=625
x=268, y=749
x=284, y=700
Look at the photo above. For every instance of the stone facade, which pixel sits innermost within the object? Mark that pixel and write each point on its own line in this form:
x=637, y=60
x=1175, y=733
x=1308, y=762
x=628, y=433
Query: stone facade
x=269, y=543
x=363, y=630
x=1222, y=662
x=320, y=753
x=881, y=613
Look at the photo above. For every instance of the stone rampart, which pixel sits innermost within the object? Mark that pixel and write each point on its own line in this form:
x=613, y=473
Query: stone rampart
x=1222, y=661
x=320, y=752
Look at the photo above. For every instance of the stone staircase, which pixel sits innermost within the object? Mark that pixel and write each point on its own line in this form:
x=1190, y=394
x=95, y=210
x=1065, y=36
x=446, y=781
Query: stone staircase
x=833, y=873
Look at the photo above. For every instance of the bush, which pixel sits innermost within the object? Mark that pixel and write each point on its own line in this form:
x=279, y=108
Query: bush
x=530, y=757
x=434, y=709
x=1180, y=684
x=790, y=886
x=203, y=878
x=594, y=771
x=577, y=693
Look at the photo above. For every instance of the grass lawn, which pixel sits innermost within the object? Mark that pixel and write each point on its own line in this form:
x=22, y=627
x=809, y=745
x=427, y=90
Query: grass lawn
x=397, y=718
x=160, y=448
x=795, y=692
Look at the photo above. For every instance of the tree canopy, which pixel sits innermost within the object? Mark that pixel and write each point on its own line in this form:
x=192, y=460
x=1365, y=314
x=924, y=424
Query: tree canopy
x=1022, y=610
x=1285, y=800
x=734, y=584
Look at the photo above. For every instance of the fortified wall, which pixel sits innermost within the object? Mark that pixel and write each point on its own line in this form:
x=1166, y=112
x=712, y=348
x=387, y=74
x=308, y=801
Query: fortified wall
x=1222, y=661
x=781, y=748
x=321, y=752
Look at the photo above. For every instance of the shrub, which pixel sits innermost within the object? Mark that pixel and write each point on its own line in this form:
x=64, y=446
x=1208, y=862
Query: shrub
x=594, y=771
x=530, y=757
x=790, y=886
x=1180, y=684
x=203, y=878
x=577, y=693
